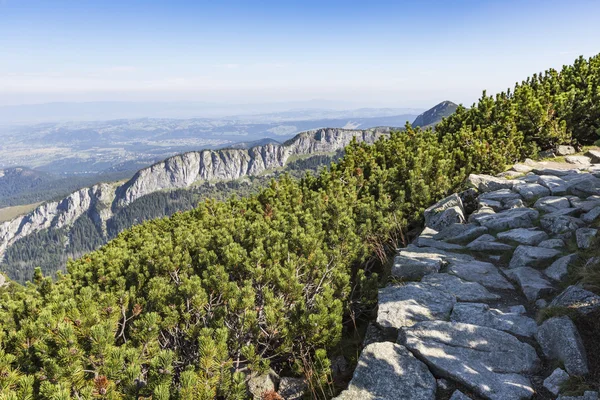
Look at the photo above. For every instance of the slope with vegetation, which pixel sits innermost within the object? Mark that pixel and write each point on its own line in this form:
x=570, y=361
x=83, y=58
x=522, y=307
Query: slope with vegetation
x=189, y=306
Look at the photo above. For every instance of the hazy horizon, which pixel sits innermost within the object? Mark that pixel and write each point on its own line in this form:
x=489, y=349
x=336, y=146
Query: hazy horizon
x=375, y=54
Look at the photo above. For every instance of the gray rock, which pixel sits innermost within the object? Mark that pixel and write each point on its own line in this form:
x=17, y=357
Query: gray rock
x=509, y=174
x=555, y=184
x=522, y=168
x=531, y=191
x=585, y=188
x=529, y=236
x=387, y=371
x=578, y=160
x=575, y=297
x=559, y=340
x=559, y=224
x=482, y=272
x=541, y=303
x=559, y=268
x=510, y=219
x=553, y=382
x=589, y=395
x=405, y=305
x=445, y=255
x=585, y=205
x=480, y=214
x=460, y=233
x=488, y=361
x=532, y=283
x=517, y=203
x=482, y=315
x=525, y=256
x=487, y=183
x=502, y=195
x=488, y=243
x=469, y=200
x=445, y=212
x=461, y=289
x=547, y=154
x=292, y=388
x=591, y=215
x=594, y=155
x=438, y=244
x=555, y=171
x=529, y=178
x=259, y=384
x=458, y=395
x=374, y=334
x=552, y=203
x=412, y=265
x=493, y=204
x=552, y=244
x=585, y=237
x=564, y=150
x=519, y=309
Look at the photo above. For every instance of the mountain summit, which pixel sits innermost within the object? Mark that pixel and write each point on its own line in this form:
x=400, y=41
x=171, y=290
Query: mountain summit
x=434, y=115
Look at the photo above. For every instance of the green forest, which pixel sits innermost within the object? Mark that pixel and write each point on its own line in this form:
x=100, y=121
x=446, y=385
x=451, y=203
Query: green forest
x=186, y=307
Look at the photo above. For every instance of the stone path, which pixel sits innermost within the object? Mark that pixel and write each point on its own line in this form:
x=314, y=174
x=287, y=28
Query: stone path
x=462, y=314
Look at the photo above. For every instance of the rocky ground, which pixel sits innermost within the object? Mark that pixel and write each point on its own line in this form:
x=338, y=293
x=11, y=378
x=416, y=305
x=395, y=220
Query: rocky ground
x=463, y=321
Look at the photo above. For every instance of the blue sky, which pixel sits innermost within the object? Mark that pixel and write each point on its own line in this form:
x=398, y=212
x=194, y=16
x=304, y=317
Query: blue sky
x=371, y=53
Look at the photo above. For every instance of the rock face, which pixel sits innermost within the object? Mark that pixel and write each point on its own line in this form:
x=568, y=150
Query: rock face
x=179, y=171
x=482, y=315
x=408, y=304
x=559, y=339
x=488, y=361
x=445, y=213
x=388, y=371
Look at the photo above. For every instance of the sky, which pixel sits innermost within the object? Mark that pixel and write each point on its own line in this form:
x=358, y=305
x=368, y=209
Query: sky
x=368, y=53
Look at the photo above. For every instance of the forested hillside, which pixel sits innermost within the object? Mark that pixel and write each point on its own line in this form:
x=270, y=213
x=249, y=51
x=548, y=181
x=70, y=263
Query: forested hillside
x=188, y=306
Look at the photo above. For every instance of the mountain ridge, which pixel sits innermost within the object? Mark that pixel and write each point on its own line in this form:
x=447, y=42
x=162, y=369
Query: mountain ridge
x=434, y=115
x=102, y=200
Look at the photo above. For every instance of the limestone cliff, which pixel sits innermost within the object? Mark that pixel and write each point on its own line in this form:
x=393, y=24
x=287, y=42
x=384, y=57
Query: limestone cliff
x=176, y=172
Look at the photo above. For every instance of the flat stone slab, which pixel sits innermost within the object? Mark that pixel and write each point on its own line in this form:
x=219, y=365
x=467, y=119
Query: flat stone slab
x=488, y=243
x=579, y=160
x=488, y=183
x=388, y=371
x=525, y=256
x=585, y=237
x=482, y=315
x=532, y=283
x=587, y=187
x=552, y=203
x=461, y=289
x=488, y=361
x=555, y=185
x=560, y=268
x=438, y=244
x=502, y=195
x=412, y=265
x=558, y=223
x=591, y=215
x=552, y=244
x=553, y=382
x=529, y=236
x=585, y=205
x=482, y=272
x=559, y=340
x=405, y=305
x=577, y=298
x=455, y=235
x=510, y=219
x=531, y=191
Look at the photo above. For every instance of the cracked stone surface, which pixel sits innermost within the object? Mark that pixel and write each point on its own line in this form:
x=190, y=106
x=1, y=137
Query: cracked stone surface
x=482, y=272
x=530, y=236
x=532, y=256
x=405, y=305
x=388, y=371
x=461, y=289
x=490, y=362
x=531, y=281
x=481, y=314
x=509, y=219
x=559, y=340
x=552, y=203
x=488, y=243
